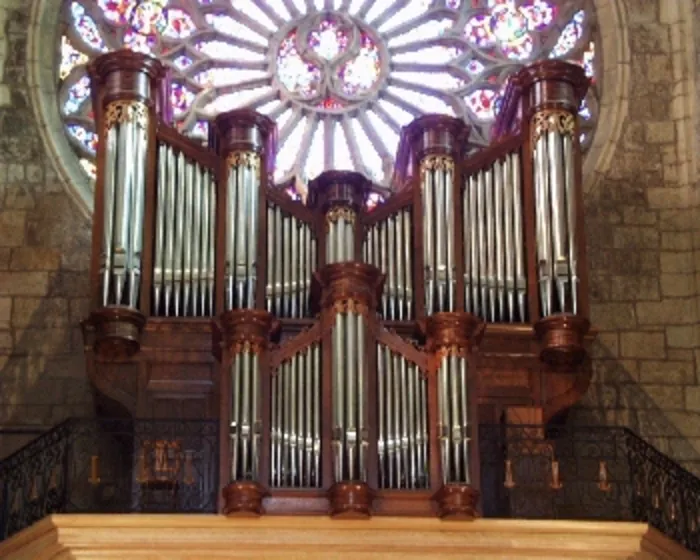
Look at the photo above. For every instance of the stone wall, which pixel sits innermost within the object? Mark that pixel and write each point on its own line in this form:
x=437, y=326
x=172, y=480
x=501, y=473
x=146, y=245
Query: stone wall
x=641, y=226
x=643, y=239
x=44, y=252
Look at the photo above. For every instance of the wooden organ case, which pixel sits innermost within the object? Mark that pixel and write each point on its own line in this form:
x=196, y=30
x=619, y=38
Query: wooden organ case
x=350, y=353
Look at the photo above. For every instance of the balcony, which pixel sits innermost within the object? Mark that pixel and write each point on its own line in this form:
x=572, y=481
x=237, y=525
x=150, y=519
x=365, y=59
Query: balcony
x=527, y=472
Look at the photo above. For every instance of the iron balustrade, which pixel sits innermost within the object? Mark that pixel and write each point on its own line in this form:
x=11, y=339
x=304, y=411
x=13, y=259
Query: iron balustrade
x=527, y=471
x=111, y=466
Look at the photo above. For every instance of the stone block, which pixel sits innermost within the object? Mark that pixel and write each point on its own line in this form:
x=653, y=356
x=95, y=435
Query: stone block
x=613, y=316
x=643, y=345
x=639, y=216
x=5, y=258
x=663, y=132
x=687, y=423
x=677, y=240
x=12, y=228
x=634, y=288
x=681, y=262
x=40, y=312
x=692, y=399
x=606, y=345
x=69, y=284
x=5, y=312
x=615, y=372
x=682, y=336
x=669, y=311
x=684, y=449
x=43, y=341
x=35, y=258
x=667, y=373
x=628, y=237
x=677, y=285
x=24, y=283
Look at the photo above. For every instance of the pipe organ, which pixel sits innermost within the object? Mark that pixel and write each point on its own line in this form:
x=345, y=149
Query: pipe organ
x=349, y=351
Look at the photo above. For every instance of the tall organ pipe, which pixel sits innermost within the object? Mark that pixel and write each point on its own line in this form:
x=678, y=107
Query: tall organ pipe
x=553, y=133
x=126, y=125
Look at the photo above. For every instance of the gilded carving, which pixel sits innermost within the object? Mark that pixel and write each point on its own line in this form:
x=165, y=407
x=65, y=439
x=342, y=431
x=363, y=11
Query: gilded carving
x=350, y=306
x=338, y=212
x=437, y=163
x=553, y=120
x=120, y=112
x=251, y=160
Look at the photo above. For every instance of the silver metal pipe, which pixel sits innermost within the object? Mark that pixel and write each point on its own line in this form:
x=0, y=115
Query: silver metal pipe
x=400, y=265
x=170, y=219
x=428, y=249
x=423, y=430
x=338, y=395
x=490, y=244
x=396, y=393
x=408, y=259
x=405, y=441
x=122, y=208
x=411, y=428
x=255, y=416
x=464, y=413
x=287, y=426
x=500, y=241
x=287, y=268
x=278, y=257
x=389, y=419
x=293, y=417
x=474, y=245
x=483, y=272
x=301, y=269
x=301, y=429
x=196, y=239
x=520, y=279
x=391, y=288
x=544, y=252
x=466, y=243
x=351, y=358
x=237, y=370
x=187, y=237
x=571, y=210
x=110, y=194
x=383, y=232
x=509, y=272
x=160, y=229
x=245, y=415
x=450, y=240
x=455, y=428
x=212, y=243
x=558, y=215
x=362, y=424
x=204, y=245
x=317, y=414
x=137, y=212
x=252, y=232
x=231, y=210
x=270, y=282
x=294, y=270
x=444, y=423
x=440, y=241
x=308, y=418
x=381, y=443
x=179, y=235
x=279, y=439
x=274, y=427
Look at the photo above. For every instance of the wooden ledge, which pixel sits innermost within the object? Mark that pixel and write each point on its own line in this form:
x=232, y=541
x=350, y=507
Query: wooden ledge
x=210, y=536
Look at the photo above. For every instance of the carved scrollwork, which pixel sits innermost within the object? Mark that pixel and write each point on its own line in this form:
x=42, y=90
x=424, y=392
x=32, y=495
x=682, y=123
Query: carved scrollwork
x=553, y=120
x=437, y=163
x=350, y=306
x=251, y=160
x=126, y=111
x=338, y=212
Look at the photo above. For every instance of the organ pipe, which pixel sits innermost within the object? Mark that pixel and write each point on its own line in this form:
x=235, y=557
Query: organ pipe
x=553, y=134
x=125, y=156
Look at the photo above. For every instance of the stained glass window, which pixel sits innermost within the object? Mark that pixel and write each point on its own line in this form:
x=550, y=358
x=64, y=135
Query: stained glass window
x=340, y=77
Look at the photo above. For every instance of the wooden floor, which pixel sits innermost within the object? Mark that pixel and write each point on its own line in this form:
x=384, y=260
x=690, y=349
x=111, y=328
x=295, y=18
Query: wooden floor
x=180, y=537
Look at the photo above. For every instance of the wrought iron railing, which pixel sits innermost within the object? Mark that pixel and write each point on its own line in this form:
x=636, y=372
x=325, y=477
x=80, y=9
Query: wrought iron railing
x=594, y=473
x=111, y=466
x=528, y=472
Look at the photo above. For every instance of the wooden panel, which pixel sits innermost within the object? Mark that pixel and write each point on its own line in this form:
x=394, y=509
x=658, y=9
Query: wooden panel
x=199, y=536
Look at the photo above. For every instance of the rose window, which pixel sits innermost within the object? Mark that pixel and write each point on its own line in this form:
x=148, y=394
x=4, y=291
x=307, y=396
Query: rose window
x=339, y=77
